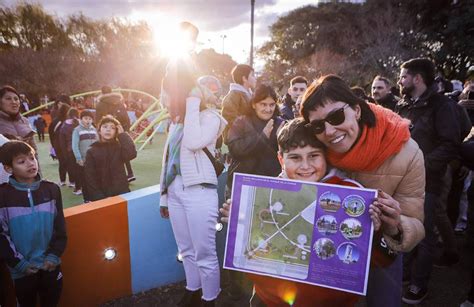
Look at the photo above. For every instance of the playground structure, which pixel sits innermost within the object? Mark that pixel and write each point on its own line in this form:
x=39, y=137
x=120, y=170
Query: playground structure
x=154, y=111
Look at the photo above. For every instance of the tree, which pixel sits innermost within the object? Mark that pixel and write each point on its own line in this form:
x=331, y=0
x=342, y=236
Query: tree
x=359, y=41
x=28, y=26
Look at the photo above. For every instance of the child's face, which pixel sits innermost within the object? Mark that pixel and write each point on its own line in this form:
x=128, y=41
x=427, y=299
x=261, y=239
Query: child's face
x=108, y=131
x=304, y=163
x=24, y=167
x=86, y=121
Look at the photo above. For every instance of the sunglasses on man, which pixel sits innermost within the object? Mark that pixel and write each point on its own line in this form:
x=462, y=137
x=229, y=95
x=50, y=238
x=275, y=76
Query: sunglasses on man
x=334, y=118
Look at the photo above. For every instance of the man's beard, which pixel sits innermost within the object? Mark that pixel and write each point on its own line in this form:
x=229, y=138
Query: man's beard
x=407, y=90
x=377, y=96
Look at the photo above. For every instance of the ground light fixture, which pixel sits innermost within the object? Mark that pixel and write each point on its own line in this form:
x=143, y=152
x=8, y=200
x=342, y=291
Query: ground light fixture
x=110, y=254
x=179, y=257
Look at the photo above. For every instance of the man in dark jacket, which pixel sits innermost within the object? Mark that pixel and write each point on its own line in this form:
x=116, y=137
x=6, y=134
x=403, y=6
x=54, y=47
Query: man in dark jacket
x=112, y=104
x=434, y=126
x=381, y=93
x=237, y=102
x=288, y=107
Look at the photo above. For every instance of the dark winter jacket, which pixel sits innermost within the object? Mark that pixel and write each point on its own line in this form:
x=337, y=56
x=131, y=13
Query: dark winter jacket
x=389, y=101
x=286, y=108
x=32, y=226
x=53, y=130
x=236, y=103
x=112, y=104
x=104, y=168
x=65, y=135
x=251, y=150
x=435, y=127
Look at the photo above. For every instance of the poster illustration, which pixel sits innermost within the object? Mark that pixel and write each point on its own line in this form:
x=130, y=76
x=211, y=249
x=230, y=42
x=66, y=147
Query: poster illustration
x=308, y=232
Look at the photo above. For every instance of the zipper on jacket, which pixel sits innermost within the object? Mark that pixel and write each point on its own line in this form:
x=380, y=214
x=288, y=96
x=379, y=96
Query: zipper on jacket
x=196, y=162
x=30, y=199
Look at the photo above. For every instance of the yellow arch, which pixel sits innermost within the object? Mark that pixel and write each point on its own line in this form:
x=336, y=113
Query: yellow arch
x=155, y=103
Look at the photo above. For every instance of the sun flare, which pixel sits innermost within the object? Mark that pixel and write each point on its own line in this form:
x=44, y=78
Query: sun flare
x=168, y=39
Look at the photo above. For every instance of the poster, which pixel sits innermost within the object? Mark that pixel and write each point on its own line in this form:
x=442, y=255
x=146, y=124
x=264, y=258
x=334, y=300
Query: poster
x=307, y=232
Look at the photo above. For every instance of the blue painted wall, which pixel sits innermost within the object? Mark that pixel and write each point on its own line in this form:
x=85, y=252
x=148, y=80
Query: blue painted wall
x=153, y=248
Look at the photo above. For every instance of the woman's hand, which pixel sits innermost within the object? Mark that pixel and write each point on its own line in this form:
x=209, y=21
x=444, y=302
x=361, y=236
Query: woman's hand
x=267, y=130
x=374, y=213
x=225, y=211
x=389, y=211
x=164, y=212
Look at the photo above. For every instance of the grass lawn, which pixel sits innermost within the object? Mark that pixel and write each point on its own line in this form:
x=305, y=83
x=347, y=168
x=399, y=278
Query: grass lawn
x=146, y=167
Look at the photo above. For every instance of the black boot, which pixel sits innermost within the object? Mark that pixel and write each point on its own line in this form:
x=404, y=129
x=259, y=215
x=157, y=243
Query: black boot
x=205, y=303
x=190, y=298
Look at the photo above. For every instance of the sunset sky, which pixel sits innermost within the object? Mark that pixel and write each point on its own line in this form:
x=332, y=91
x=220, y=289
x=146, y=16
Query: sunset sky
x=215, y=18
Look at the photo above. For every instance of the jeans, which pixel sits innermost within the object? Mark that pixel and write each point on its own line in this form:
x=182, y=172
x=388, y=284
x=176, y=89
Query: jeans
x=422, y=257
x=385, y=285
x=193, y=214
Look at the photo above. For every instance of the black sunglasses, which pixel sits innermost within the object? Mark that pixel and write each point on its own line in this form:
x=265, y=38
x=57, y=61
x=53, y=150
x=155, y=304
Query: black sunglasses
x=334, y=118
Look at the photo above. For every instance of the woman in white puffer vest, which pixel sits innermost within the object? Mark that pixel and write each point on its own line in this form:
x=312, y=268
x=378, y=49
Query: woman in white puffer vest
x=189, y=183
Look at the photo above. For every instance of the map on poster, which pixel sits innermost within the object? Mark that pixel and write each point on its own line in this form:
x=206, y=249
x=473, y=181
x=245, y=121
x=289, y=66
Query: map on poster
x=308, y=232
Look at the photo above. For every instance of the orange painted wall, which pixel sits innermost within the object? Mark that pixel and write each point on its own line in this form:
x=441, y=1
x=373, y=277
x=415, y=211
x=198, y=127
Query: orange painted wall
x=89, y=279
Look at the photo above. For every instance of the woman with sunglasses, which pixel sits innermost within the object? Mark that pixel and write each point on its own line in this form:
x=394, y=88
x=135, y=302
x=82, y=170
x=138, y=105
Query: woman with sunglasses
x=373, y=145
x=252, y=138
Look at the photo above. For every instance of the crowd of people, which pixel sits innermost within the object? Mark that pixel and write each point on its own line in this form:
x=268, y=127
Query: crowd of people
x=414, y=146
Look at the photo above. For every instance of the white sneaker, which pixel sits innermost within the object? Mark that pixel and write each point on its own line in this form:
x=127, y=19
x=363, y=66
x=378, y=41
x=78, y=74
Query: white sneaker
x=62, y=183
x=71, y=185
x=77, y=192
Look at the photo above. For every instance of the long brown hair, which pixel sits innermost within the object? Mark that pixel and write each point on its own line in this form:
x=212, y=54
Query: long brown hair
x=179, y=80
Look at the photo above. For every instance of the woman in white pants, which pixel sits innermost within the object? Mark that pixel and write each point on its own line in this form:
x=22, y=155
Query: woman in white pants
x=189, y=182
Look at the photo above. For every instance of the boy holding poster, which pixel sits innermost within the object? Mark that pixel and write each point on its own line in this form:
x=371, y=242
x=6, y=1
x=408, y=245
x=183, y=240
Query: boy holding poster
x=302, y=157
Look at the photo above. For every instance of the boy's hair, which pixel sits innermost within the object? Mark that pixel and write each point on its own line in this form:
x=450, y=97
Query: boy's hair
x=298, y=79
x=239, y=71
x=422, y=66
x=12, y=149
x=107, y=119
x=294, y=134
x=87, y=113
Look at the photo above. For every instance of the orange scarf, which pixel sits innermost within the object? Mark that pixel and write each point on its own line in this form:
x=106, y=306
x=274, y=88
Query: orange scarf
x=375, y=144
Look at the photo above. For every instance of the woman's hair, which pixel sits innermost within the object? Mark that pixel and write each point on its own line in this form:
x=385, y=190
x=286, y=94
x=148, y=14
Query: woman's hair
x=7, y=88
x=263, y=91
x=178, y=82
x=63, y=112
x=332, y=88
x=73, y=113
